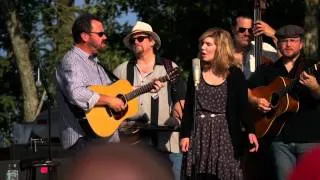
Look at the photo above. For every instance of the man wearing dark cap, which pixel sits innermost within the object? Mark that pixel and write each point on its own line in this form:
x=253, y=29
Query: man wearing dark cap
x=301, y=129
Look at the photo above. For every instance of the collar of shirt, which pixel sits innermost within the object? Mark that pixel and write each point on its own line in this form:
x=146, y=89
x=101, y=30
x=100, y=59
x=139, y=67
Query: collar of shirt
x=84, y=55
x=159, y=60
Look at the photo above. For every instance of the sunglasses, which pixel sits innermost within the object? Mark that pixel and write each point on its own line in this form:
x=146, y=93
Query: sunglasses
x=100, y=34
x=139, y=38
x=242, y=30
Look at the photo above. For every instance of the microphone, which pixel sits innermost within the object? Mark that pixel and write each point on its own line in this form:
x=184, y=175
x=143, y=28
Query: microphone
x=38, y=82
x=196, y=70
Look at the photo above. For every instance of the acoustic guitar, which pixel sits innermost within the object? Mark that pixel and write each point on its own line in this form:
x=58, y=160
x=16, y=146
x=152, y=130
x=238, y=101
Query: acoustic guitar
x=102, y=120
x=277, y=94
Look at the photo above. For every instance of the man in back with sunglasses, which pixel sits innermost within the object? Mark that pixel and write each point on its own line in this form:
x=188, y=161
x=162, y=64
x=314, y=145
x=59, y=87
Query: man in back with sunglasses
x=243, y=30
x=162, y=109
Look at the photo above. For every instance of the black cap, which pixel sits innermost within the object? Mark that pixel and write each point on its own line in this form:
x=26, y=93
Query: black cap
x=289, y=31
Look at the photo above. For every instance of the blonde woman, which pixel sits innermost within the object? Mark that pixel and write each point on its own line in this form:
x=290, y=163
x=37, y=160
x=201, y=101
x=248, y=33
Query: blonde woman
x=214, y=149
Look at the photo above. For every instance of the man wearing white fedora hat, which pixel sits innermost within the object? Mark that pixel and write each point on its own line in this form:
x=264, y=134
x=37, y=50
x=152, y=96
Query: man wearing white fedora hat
x=161, y=109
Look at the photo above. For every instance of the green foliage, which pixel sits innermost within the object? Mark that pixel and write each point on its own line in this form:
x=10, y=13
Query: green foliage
x=57, y=31
x=180, y=23
x=55, y=39
x=108, y=11
x=9, y=96
x=281, y=13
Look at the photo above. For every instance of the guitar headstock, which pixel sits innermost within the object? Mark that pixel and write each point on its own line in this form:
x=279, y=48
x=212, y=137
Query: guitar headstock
x=314, y=68
x=173, y=74
x=317, y=66
x=262, y=4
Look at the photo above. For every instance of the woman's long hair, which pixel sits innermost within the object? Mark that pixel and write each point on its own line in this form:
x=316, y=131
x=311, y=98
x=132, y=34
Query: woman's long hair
x=223, y=57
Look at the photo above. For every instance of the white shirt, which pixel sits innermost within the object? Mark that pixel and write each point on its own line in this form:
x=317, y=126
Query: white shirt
x=249, y=65
x=167, y=141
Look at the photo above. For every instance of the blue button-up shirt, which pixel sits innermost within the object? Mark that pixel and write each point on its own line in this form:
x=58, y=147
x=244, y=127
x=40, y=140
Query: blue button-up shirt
x=74, y=74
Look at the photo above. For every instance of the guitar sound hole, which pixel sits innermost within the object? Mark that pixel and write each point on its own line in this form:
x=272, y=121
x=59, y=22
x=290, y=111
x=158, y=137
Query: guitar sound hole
x=274, y=99
x=119, y=115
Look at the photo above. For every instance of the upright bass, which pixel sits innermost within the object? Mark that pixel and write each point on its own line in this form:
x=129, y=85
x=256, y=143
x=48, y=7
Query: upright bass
x=259, y=5
x=259, y=117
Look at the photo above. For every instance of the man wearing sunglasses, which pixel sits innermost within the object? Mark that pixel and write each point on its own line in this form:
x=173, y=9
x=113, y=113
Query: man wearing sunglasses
x=243, y=31
x=79, y=69
x=160, y=109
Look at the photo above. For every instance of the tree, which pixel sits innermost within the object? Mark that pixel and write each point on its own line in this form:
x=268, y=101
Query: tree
x=21, y=48
x=180, y=23
x=312, y=28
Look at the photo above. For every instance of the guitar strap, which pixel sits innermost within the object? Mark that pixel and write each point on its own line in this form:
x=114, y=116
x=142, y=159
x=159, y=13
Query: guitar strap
x=173, y=85
x=113, y=78
x=297, y=68
x=154, y=101
x=130, y=71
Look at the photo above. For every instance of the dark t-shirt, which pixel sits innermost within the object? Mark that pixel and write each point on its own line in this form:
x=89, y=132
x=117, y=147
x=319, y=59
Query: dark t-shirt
x=302, y=126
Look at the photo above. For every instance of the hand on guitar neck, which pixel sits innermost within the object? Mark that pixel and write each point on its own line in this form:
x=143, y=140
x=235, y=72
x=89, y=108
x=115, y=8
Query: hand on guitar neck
x=117, y=104
x=157, y=86
x=311, y=83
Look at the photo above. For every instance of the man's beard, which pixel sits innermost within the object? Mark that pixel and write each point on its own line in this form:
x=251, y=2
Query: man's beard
x=243, y=44
x=293, y=55
x=98, y=47
x=138, y=50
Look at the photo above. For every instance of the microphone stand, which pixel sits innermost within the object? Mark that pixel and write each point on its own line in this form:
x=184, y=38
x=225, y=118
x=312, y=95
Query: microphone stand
x=49, y=163
x=194, y=144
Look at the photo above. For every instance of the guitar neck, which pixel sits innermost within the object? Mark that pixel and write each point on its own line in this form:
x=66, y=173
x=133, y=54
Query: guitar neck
x=295, y=81
x=144, y=89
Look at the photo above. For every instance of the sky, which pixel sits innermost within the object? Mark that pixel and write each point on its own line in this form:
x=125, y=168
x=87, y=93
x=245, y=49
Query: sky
x=129, y=17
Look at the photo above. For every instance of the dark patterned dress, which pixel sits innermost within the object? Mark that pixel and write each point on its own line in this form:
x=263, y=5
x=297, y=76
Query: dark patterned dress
x=213, y=153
